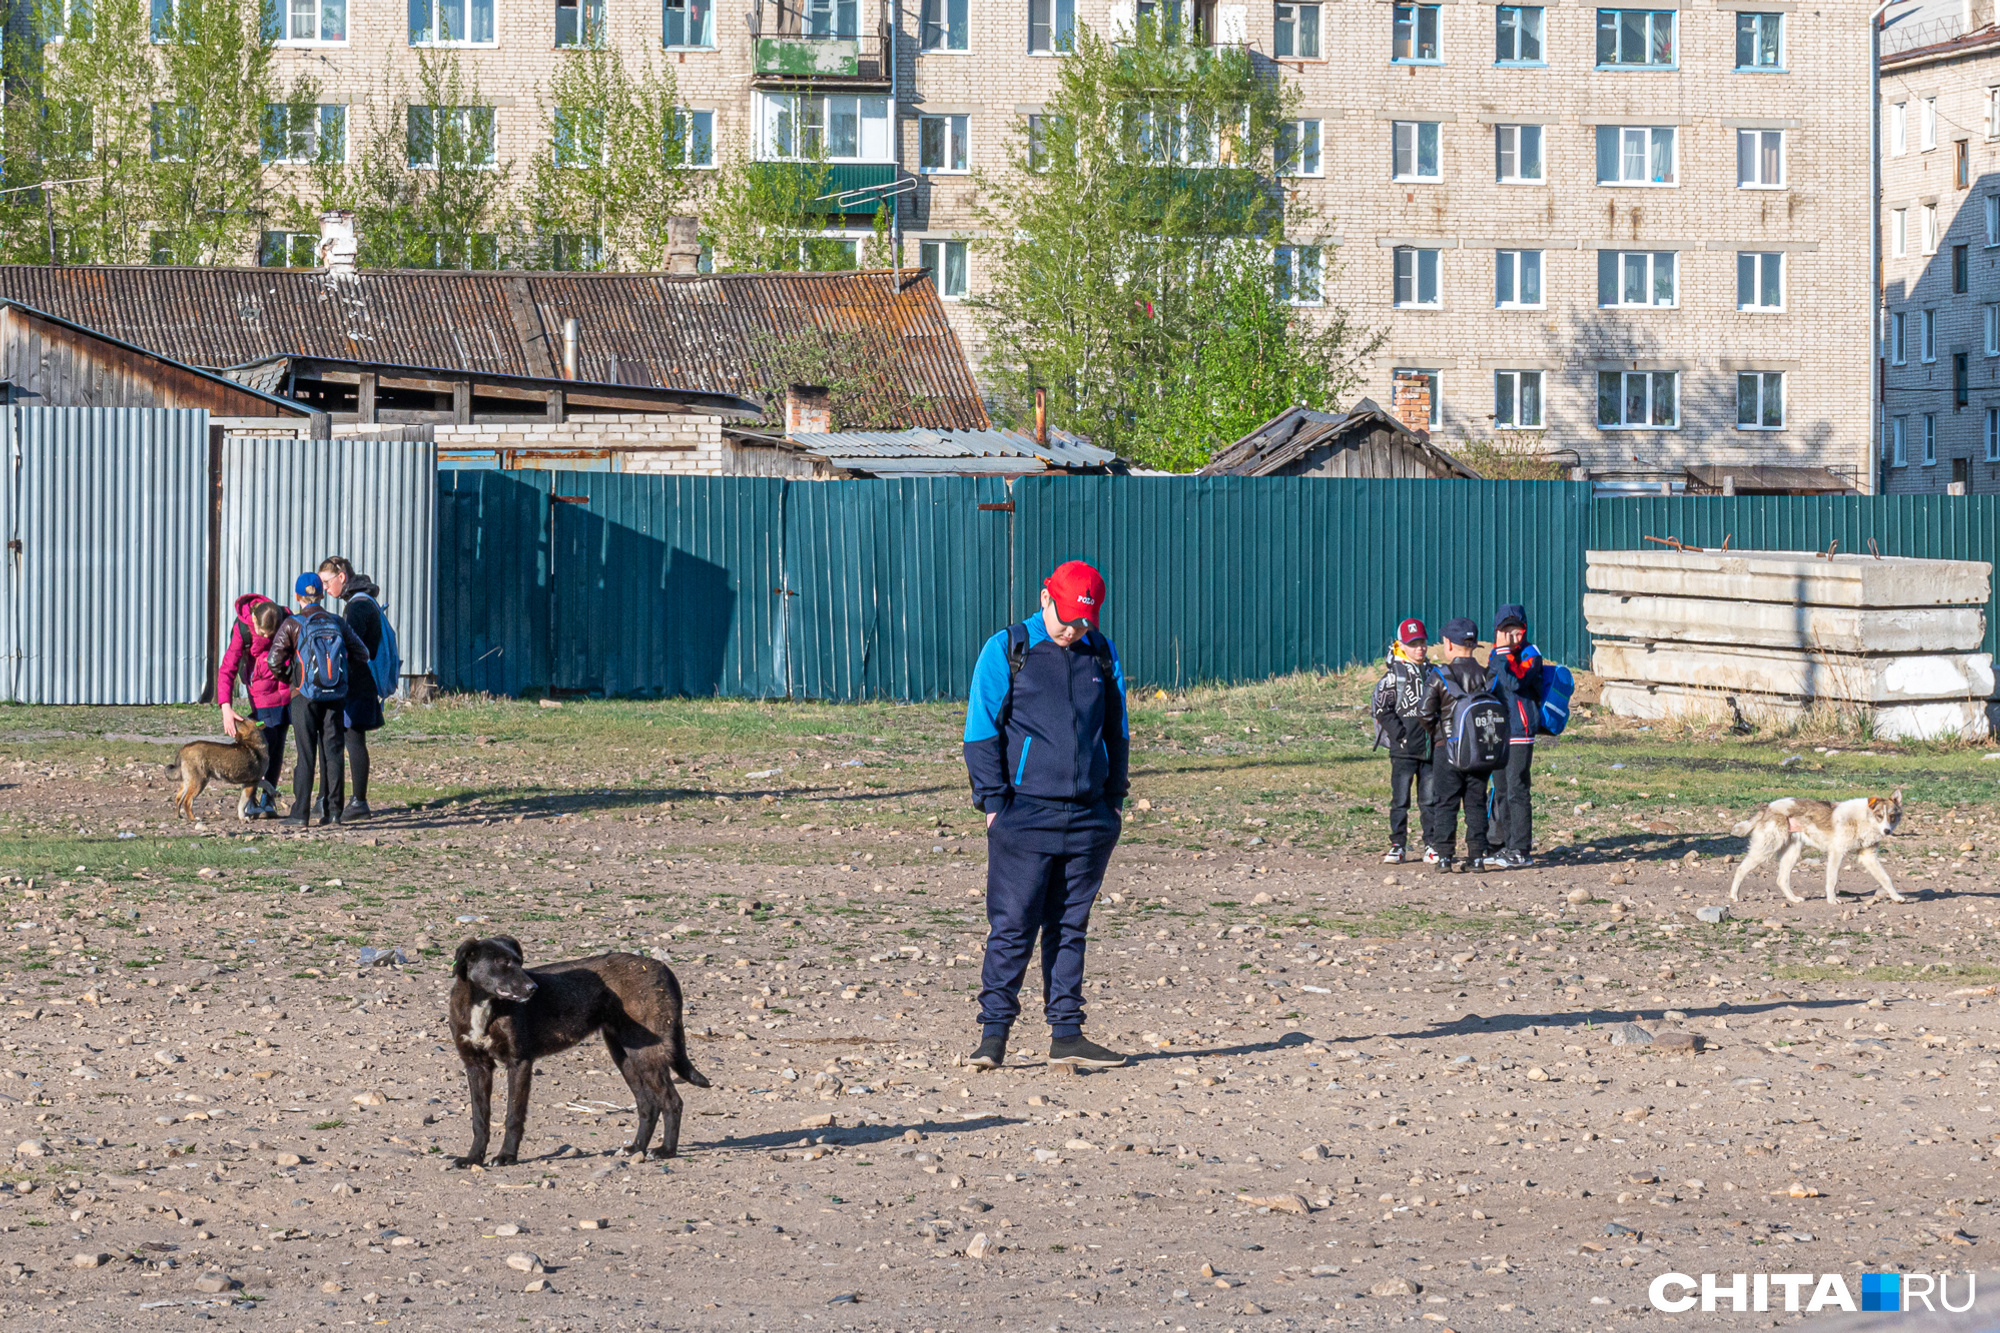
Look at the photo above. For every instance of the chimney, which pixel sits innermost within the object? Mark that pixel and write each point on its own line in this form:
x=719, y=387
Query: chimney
x=1042, y=418
x=337, y=243
x=572, y=347
x=683, y=244
x=808, y=410
x=1411, y=402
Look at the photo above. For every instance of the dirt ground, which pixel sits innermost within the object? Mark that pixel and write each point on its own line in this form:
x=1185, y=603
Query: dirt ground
x=1361, y=1095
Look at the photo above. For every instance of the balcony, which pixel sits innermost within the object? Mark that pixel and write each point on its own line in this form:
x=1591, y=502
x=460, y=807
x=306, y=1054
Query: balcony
x=849, y=187
x=854, y=61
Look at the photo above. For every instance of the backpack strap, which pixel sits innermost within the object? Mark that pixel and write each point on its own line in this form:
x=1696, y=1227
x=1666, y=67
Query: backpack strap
x=1017, y=657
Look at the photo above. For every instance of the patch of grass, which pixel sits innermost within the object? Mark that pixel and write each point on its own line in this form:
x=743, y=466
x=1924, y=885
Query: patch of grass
x=1970, y=972
x=330, y=1124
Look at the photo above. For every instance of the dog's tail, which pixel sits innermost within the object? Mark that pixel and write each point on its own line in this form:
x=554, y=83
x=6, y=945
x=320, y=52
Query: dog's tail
x=174, y=768
x=1743, y=830
x=682, y=1066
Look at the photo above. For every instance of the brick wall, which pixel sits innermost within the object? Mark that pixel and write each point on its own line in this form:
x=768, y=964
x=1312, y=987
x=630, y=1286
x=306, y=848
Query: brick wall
x=684, y=444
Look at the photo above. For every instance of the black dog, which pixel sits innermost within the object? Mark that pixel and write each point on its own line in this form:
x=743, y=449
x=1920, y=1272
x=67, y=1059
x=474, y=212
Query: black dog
x=503, y=1011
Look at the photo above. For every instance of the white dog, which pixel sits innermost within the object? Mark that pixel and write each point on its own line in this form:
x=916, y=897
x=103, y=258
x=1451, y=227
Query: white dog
x=1796, y=823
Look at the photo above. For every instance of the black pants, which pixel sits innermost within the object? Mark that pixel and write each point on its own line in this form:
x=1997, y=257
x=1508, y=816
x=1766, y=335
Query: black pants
x=357, y=761
x=274, y=719
x=1044, y=863
x=1451, y=789
x=320, y=733
x=1406, y=780
x=1513, y=810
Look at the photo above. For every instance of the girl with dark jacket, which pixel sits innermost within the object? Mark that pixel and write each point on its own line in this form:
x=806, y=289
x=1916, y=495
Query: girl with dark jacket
x=363, y=708
x=1398, y=728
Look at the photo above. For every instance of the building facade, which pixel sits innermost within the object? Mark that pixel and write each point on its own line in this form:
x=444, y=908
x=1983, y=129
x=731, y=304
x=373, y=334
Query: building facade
x=1940, y=228
x=1635, y=234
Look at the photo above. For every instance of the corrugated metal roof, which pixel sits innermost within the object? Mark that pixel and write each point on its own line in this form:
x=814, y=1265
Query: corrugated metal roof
x=710, y=332
x=281, y=368
x=870, y=448
x=1296, y=431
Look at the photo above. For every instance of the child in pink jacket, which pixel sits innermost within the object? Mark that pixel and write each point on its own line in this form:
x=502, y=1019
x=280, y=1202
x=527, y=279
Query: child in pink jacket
x=257, y=619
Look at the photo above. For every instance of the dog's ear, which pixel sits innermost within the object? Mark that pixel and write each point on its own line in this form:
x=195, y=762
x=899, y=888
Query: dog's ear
x=1898, y=797
x=462, y=957
x=509, y=942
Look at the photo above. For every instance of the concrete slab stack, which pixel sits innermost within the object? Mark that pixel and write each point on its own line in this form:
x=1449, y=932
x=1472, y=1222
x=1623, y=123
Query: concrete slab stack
x=1768, y=636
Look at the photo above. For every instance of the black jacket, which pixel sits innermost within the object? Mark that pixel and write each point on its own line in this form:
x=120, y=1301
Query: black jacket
x=284, y=660
x=364, y=616
x=1435, y=710
x=1517, y=679
x=1398, y=695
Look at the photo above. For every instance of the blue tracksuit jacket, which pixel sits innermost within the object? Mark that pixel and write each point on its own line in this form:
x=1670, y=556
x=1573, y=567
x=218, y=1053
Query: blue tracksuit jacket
x=1063, y=734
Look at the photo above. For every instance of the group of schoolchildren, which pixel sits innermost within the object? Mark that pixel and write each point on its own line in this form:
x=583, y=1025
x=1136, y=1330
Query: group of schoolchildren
x=1461, y=736
x=323, y=674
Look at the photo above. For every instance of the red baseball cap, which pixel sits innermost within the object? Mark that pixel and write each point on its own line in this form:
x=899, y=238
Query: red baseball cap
x=1078, y=591
x=1412, y=631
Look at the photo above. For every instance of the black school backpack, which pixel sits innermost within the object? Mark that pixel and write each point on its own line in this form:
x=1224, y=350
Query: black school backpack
x=1475, y=739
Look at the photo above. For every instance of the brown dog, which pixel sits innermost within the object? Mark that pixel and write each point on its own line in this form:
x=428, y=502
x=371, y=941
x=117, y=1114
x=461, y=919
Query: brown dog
x=1786, y=828
x=239, y=763
x=503, y=1011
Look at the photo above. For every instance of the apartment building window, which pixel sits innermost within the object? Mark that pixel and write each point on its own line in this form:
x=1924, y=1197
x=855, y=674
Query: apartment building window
x=946, y=261
x=941, y=144
x=1993, y=434
x=1927, y=124
x=1961, y=380
x=455, y=136
x=1760, y=159
x=576, y=136
x=1991, y=319
x=832, y=18
x=1517, y=279
x=287, y=22
x=1992, y=203
x=1927, y=334
x=1635, y=155
x=451, y=23
x=1928, y=216
x=1899, y=128
x=1517, y=151
x=1899, y=441
x=690, y=137
x=1638, y=399
x=1898, y=334
x=1636, y=278
x=1051, y=26
x=288, y=249
x=1406, y=377
x=1760, y=280
x=1517, y=400
x=942, y=25
x=1416, y=150
x=1760, y=41
x=1298, y=274
x=572, y=252
x=1517, y=34
x=1415, y=29
x=1961, y=164
x=839, y=127
x=1635, y=38
x=1295, y=32
x=1038, y=142
x=1899, y=232
x=295, y=134
x=1298, y=148
x=1760, y=400
x=1929, y=424
x=1417, y=277
x=1961, y=269
x=176, y=131
x=579, y=23
x=687, y=24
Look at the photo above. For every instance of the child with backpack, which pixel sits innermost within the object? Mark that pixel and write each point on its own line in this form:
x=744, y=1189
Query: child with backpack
x=1399, y=729
x=1516, y=670
x=1468, y=730
x=318, y=653
x=257, y=620
x=366, y=689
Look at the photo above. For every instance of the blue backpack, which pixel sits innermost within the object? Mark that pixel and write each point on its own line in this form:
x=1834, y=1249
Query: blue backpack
x=387, y=663
x=1558, y=683
x=323, y=657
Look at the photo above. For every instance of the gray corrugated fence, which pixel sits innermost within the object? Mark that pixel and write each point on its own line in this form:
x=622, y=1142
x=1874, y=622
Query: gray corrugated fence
x=287, y=504
x=105, y=598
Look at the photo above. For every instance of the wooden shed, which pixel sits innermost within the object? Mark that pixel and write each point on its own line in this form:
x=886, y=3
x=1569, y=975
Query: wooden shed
x=48, y=361
x=1364, y=441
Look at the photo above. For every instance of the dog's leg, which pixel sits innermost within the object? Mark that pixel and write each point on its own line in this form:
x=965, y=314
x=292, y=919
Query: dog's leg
x=670, y=1113
x=1871, y=861
x=633, y=1066
x=1834, y=856
x=520, y=1080
x=1758, y=852
x=479, y=1080
x=1785, y=864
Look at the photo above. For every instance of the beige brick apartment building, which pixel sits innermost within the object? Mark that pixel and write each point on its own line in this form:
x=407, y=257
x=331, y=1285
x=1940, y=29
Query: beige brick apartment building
x=1638, y=234
x=1941, y=238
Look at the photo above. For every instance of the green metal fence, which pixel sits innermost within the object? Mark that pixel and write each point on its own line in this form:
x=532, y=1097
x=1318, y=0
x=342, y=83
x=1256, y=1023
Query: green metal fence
x=627, y=584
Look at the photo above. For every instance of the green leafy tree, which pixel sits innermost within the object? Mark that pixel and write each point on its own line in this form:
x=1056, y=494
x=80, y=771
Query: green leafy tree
x=772, y=217
x=1132, y=270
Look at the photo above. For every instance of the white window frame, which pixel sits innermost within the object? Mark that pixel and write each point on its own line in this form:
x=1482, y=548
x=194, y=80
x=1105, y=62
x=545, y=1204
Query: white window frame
x=1622, y=269
x=1510, y=148
x=1653, y=379
x=936, y=255
x=1927, y=124
x=1754, y=268
x=1993, y=434
x=1928, y=215
x=1540, y=36
x=1899, y=334
x=1653, y=15
x=1408, y=265
x=1510, y=268
x=1992, y=208
x=323, y=113
x=1418, y=10
x=1927, y=336
x=1899, y=441
x=1300, y=148
x=1301, y=273
x=1758, y=20
x=1754, y=158
x=771, y=107
x=1990, y=318
x=289, y=13
x=944, y=27
x=588, y=37
x=1898, y=128
x=1515, y=381
x=1415, y=132
x=435, y=9
x=1624, y=140
x=952, y=141
x=491, y=162
x=1298, y=31
x=694, y=125
x=1060, y=38
x=1930, y=439
x=704, y=23
x=1761, y=384
x=308, y=241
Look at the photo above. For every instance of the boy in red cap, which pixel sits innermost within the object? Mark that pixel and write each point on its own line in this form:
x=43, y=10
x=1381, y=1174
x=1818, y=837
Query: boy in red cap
x=1046, y=746
x=1399, y=729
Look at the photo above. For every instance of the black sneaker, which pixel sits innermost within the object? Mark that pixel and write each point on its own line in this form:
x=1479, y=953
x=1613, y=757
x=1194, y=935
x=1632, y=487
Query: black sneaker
x=992, y=1053
x=356, y=809
x=1442, y=864
x=1083, y=1051
x=296, y=817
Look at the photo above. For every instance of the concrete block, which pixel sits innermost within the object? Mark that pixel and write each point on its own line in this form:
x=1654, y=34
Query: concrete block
x=1834, y=629
x=1938, y=720
x=1905, y=677
x=1790, y=577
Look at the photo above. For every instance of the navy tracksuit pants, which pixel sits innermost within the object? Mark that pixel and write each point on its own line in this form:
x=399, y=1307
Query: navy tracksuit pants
x=1044, y=863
